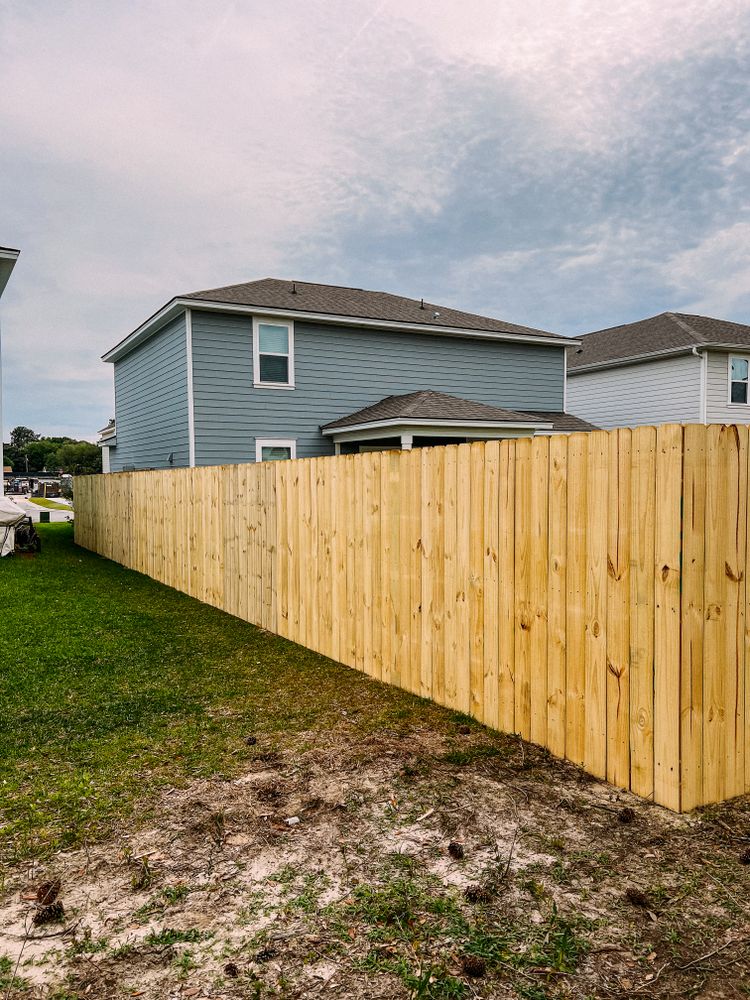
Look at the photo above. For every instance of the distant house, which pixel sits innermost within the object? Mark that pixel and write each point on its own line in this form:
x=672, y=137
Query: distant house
x=674, y=367
x=282, y=369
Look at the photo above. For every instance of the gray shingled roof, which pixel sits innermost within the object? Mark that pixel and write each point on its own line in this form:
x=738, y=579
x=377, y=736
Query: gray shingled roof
x=668, y=331
x=333, y=300
x=563, y=421
x=427, y=404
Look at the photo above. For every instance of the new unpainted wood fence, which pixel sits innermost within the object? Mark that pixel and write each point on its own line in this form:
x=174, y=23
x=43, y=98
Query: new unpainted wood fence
x=586, y=591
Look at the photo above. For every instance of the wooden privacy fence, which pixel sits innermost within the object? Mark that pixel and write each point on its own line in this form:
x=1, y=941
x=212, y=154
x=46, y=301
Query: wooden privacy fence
x=586, y=591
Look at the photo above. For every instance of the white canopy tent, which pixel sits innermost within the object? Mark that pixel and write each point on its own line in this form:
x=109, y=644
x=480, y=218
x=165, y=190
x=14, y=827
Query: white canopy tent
x=11, y=515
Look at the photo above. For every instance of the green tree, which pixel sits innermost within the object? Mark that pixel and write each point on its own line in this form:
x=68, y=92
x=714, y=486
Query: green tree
x=21, y=436
x=13, y=457
x=42, y=454
x=79, y=458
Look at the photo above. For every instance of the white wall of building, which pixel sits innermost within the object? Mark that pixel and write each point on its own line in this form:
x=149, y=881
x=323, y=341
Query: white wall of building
x=666, y=390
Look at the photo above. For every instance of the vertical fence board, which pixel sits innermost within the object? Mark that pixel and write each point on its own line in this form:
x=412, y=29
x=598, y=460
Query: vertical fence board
x=389, y=564
x=642, y=569
x=595, y=646
x=433, y=622
x=618, y=609
x=376, y=567
x=300, y=573
x=538, y=584
x=575, y=612
x=450, y=578
x=738, y=585
x=368, y=556
x=556, y=594
x=667, y=615
x=338, y=559
x=463, y=578
x=414, y=526
x=352, y=541
x=272, y=585
x=399, y=568
x=691, y=658
x=506, y=662
x=476, y=580
x=524, y=616
x=490, y=586
x=359, y=568
x=387, y=622
x=725, y=541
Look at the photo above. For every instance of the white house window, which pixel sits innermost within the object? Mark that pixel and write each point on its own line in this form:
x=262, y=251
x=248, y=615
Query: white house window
x=738, y=380
x=272, y=449
x=273, y=353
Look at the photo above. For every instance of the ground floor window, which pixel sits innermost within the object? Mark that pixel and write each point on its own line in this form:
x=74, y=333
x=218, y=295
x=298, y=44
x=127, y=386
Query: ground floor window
x=270, y=449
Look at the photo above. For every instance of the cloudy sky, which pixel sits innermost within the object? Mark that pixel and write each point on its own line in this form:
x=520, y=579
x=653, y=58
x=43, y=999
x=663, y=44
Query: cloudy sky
x=567, y=165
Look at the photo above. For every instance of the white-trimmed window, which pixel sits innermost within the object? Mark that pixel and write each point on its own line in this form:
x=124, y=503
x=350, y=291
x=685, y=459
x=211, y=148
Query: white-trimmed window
x=273, y=352
x=739, y=380
x=272, y=449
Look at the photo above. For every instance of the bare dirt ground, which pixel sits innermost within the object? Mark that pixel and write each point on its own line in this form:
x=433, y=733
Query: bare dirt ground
x=411, y=863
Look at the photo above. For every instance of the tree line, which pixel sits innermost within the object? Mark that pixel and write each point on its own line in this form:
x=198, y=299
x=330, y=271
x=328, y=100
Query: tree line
x=29, y=453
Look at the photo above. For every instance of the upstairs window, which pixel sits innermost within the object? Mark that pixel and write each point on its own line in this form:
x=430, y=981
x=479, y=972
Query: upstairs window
x=274, y=449
x=273, y=350
x=738, y=380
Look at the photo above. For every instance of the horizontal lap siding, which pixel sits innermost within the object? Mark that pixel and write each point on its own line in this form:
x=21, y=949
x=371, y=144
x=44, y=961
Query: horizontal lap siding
x=718, y=408
x=654, y=392
x=339, y=370
x=151, y=402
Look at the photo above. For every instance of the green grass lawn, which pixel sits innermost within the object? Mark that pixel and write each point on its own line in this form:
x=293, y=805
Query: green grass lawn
x=113, y=685
x=50, y=504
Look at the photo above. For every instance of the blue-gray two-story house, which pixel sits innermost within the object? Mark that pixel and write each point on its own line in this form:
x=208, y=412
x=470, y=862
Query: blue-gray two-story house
x=284, y=369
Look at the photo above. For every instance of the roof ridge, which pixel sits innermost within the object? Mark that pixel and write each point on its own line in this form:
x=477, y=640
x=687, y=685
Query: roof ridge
x=417, y=397
x=223, y=288
x=316, y=284
x=676, y=318
x=346, y=288
x=619, y=326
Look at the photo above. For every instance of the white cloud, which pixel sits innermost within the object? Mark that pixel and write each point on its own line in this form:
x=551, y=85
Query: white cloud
x=718, y=269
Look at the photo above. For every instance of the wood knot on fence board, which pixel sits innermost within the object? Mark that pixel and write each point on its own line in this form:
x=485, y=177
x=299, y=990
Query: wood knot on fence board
x=735, y=577
x=612, y=570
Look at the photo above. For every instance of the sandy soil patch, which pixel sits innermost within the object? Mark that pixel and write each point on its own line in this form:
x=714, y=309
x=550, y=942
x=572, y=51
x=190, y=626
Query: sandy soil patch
x=409, y=864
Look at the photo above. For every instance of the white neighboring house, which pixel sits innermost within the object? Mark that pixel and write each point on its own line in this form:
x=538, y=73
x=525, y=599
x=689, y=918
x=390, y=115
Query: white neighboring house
x=671, y=368
x=8, y=258
x=107, y=440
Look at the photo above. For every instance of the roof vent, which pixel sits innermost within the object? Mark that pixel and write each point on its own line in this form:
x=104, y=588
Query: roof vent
x=294, y=288
x=421, y=303
x=436, y=315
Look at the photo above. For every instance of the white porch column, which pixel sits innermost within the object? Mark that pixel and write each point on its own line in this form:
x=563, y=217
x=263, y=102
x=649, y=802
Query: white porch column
x=407, y=442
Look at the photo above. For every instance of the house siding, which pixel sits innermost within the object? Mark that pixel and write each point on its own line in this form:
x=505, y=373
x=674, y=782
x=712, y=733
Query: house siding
x=341, y=369
x=151, y=402
x=653, y=392
x=718, y=408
